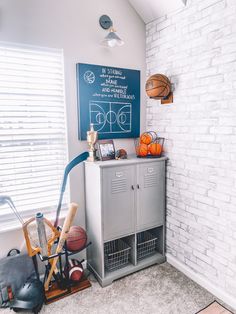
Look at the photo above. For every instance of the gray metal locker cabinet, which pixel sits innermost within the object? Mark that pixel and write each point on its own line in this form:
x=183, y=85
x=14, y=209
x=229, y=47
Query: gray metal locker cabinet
x=150, y=195
x=125, y=200
x=118, y=201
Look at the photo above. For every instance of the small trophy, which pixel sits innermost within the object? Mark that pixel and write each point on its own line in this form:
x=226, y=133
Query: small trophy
x=92, y=137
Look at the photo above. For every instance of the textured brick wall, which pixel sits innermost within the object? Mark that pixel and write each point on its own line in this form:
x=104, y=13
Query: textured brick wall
x=196, y=48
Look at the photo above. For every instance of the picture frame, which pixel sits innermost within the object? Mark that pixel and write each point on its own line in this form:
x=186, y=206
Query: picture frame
x=108, y=97
x=106, y=149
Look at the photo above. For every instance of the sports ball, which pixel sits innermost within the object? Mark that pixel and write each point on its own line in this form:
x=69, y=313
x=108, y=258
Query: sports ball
x=142, y=150
x=76, y=239
x=121, y=154
x=158, y=86
x=155, y=149
x=145, y=138
x=75, y=270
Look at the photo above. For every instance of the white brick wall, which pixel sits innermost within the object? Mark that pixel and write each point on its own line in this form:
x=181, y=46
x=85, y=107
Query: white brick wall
x=196, y=48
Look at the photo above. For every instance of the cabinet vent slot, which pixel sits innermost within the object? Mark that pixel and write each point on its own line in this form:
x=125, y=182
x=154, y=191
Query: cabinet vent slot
x=150, y=180
x=118, y=186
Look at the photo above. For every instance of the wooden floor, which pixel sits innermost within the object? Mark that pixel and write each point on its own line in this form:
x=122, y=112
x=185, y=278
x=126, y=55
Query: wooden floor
x=55, y=294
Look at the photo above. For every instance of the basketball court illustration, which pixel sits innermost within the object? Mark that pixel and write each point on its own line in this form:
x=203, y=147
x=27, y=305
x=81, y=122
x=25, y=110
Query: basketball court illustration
x=111, y=117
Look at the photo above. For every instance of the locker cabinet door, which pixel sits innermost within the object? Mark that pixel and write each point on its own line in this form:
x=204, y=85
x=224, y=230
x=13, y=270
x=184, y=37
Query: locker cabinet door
x=118, y=201
x=151, y=195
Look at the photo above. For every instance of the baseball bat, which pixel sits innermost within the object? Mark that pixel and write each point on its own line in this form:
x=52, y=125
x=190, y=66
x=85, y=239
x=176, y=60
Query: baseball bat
x=43, y=243
x=64, y=233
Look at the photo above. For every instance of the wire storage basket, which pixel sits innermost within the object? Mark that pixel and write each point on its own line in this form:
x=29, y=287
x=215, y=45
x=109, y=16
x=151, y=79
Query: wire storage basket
x=149, y=145
x=146, y=244
x=117, y=254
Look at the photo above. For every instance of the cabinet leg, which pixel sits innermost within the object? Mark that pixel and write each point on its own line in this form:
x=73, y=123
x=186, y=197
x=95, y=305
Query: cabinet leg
x=104, y=282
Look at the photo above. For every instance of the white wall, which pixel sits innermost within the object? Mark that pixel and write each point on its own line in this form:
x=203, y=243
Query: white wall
x=73, y=25
x=196, y=48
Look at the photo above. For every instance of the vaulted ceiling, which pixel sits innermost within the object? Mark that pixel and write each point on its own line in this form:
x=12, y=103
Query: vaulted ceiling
x=150, y=10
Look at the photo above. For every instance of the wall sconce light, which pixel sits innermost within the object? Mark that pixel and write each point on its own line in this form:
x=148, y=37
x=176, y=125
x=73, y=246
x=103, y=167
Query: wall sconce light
x=112, y=39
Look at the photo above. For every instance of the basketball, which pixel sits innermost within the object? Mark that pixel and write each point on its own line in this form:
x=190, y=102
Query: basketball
x=158, y=86
x=76, y=239
x=75, y=270
x=142, y=150
x=155, y=149
x=145, y=138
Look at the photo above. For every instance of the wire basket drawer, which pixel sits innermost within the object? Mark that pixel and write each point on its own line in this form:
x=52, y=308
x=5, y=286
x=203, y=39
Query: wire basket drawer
x=146, y=244
x=117, y=254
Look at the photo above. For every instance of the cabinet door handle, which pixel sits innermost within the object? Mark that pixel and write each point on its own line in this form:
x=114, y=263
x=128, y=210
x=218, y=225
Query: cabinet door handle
x=138, y=187
x=132, y=187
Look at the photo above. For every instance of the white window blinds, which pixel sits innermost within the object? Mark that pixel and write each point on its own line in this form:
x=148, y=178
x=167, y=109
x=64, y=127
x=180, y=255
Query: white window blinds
x=33, y=147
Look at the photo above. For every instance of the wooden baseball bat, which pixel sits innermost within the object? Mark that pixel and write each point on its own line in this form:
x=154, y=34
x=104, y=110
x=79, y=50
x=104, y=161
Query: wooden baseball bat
x=66, y=227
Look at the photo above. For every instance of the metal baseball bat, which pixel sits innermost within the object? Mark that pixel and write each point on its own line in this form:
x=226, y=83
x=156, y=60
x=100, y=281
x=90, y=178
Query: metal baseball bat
x=43, y=243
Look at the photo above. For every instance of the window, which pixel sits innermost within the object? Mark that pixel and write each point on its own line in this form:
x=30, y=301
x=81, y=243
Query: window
x=33, y=147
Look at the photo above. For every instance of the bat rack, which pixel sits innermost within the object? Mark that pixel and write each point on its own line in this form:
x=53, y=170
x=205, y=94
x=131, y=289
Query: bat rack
x=62, y=286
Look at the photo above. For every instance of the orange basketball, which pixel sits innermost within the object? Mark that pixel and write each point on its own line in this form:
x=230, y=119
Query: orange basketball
x=145, y=138
x=158, y=86
x=76, y=238
x=142, y=150
x=155, y=149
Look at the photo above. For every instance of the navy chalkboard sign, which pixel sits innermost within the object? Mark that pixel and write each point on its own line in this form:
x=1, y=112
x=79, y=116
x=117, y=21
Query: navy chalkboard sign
x=109, y=98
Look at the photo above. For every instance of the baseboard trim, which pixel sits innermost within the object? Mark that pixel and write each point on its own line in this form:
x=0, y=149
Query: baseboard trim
x=219, y=293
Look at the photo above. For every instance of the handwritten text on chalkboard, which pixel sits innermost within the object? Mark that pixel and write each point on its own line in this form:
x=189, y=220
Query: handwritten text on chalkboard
x=109, y=98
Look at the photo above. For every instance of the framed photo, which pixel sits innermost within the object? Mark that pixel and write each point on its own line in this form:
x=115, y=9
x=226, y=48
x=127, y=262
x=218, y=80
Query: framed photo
x=106, y=149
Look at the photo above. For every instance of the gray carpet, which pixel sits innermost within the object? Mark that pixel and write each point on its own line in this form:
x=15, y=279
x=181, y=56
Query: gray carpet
x=159, y=289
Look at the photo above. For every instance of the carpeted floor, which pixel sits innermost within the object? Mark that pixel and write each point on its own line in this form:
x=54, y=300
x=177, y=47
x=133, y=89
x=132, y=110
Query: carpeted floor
x=159, y=289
